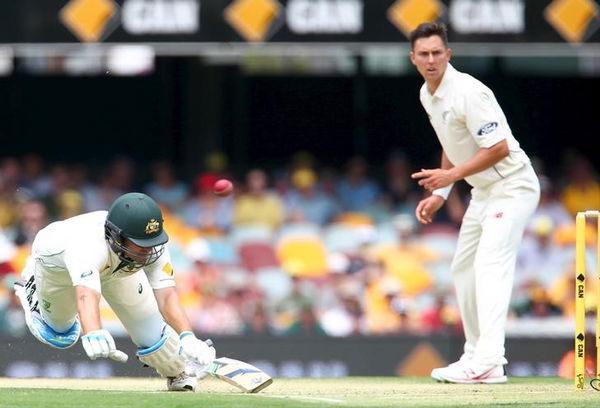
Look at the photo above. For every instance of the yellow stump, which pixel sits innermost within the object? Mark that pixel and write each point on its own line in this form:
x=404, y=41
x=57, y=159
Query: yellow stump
x=580, y=301
x=598, y=299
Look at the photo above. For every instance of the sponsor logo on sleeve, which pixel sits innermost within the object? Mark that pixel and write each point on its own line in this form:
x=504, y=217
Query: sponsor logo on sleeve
x=445, y=116
x=86, y=274
x=487, y=128
x=168, y=269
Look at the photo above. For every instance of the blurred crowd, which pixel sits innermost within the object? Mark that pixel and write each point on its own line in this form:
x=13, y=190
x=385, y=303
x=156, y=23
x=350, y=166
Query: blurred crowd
x=304, y=249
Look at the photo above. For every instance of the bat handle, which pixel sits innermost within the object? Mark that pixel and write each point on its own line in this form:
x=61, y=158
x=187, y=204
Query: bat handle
x=209, y=342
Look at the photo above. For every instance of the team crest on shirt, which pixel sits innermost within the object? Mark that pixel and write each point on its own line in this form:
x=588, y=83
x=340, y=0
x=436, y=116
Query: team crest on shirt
x=487, y=128
x=152, y=226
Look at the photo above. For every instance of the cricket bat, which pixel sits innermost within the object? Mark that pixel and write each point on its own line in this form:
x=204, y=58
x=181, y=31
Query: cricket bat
x=242, y=375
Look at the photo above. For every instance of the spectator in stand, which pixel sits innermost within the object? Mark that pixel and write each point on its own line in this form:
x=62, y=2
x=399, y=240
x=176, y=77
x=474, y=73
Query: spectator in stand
x=440, y=317
x=216, y=315
x=123, y=173
x=550, y=207
x=33, y=216
x=112, y=181
x=398, y=187
x=11, y=313
x=328, y=181
x=80, y=179
x=60, y=181
x=102, y=193
x=7, y=252
x=8, y=204
x=582, y=189
x=356, y=190
x=540, y=262
x=257, y=205
x=408, y=260
x=35, y=179
x=387, y=308
x=11, y=193
x=165, y=188
x=305, y=324
x=10, y=167
x=306, y=203
x=70, y=204
x=204, y=210
x=257, y=322
x=288, y=309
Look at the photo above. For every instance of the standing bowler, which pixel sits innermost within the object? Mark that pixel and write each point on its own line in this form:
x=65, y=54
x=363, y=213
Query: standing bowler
x=478, y=146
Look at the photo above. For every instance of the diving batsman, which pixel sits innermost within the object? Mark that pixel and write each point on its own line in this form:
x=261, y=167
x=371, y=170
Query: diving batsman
x=121, y=255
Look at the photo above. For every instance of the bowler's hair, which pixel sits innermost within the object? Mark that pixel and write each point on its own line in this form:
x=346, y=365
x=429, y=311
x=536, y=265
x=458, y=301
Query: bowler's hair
x=426, y=30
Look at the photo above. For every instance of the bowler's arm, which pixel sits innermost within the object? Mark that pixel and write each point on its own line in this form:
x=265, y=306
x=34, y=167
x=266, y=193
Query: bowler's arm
x=482, y=160
x=445, y=163
x=170, y=308
x=432, y=179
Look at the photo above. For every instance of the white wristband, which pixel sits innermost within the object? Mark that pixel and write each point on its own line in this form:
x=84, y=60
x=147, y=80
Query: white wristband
x=443, y=192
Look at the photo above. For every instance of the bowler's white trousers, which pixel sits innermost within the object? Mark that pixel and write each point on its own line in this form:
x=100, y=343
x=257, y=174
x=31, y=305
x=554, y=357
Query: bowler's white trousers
x=484, y=263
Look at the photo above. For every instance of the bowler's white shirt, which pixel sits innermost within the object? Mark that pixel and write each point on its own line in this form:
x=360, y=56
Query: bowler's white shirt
x=75, y=249
x=466, y=117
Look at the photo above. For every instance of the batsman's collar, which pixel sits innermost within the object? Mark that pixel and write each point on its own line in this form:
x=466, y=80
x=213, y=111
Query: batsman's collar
x=442, y=89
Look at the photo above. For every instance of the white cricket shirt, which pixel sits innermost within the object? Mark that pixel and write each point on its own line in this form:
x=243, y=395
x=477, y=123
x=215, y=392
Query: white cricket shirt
x=76, y=248
x=466, y=117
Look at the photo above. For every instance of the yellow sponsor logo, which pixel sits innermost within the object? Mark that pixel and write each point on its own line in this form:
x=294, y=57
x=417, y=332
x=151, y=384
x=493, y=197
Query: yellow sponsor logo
x=252, y=19
x=152, y=227
x=406, y=15
x=168, y=269
x=580, y=381
x=88, y=19
x=572, y=18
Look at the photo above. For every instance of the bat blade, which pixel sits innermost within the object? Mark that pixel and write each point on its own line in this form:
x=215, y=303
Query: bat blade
x=242, y=375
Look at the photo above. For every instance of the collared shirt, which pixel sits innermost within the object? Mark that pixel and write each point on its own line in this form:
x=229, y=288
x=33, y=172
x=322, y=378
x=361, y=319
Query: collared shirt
x=75, y=251
x=466, y=118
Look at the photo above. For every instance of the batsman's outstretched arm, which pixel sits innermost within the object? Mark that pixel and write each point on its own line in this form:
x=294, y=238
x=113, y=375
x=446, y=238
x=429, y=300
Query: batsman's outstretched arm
x=88, y=308
x=97, y=342
x=192, y=348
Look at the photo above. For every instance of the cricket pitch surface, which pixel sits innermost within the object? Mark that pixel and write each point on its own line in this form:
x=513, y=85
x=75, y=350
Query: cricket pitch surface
x=287, y=393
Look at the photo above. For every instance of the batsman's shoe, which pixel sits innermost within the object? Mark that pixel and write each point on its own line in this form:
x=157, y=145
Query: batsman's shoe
x=182, y=382
x=26, y=292
x=462, y=373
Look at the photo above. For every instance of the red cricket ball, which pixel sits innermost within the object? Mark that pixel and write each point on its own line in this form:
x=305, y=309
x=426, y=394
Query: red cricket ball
x=223, y=188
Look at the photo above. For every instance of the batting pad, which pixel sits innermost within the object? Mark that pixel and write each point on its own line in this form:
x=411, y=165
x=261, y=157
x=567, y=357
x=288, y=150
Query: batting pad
x=164, y=356
x=242, y=375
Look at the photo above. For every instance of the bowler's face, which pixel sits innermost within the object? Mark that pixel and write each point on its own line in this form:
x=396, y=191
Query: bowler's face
x=431, y=58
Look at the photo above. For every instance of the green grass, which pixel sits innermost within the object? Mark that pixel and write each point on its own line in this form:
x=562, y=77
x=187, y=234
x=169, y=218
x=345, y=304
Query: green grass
x=291, y=393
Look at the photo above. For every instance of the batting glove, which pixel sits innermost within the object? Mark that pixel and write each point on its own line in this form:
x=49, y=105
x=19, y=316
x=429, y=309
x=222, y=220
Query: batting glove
x=100, y=343
x=195, y=350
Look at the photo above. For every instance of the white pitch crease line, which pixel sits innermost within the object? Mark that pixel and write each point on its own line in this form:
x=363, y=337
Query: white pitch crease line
x=299, y=397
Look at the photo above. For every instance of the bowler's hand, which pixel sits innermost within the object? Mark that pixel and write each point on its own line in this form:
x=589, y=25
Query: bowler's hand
x=427, y=208
x=432, y=179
